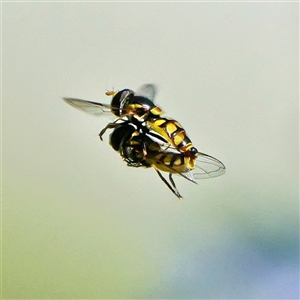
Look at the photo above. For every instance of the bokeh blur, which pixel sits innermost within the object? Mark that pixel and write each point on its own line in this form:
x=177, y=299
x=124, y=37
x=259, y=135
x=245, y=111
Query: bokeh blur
x=78, y=223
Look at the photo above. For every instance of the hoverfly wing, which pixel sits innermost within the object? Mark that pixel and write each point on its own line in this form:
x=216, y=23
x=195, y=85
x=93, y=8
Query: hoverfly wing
x=147, y=90
x=90, y=107
x=161, y=141
x=188, y=175
x=208, y=167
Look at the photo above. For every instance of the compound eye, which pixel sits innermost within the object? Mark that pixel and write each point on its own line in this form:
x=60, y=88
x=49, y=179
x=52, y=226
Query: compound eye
x=134, y=153
x=119, y=102
x=120, y=136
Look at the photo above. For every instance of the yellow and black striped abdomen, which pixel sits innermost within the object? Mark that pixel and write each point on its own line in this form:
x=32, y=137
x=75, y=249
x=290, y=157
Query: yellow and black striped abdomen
x=173, y=132
x=171, y=162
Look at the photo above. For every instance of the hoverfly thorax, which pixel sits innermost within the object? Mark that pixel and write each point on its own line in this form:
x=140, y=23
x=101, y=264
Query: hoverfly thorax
x=144, y=108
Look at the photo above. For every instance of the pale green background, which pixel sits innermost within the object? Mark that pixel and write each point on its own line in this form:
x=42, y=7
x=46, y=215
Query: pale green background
x=78, y=223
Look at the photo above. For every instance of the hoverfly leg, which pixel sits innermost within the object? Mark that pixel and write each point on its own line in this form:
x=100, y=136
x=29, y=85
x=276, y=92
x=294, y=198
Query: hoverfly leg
x=174, y=185
x=132, y=164
x=108, y=126
x=174, y=191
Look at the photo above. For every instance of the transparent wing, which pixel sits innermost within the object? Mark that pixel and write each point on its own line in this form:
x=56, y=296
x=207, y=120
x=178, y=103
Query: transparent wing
x=162, y=142
x=147, y=90
x=90, y=107
x=187, y=175
x=208, y=167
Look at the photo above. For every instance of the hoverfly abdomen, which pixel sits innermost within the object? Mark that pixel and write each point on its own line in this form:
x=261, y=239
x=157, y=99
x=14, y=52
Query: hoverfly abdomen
x=173, y=132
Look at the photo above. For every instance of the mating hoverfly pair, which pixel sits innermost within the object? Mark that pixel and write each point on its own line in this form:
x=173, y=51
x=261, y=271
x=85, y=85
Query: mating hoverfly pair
x=146, y=139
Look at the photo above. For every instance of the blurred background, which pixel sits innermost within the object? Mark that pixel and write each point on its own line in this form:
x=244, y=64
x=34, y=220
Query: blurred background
x=78, y=223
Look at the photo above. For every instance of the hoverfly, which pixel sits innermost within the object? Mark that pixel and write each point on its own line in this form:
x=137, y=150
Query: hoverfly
x=139, y=149
x=167, y=128
x=145, y=139
x=139, y=107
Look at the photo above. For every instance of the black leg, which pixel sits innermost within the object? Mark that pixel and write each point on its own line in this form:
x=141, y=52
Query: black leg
x=175, y=192
x=174, y=185
x=109, y=126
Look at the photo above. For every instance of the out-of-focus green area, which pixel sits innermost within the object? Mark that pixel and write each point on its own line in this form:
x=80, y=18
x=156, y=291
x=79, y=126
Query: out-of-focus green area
x=78, y=223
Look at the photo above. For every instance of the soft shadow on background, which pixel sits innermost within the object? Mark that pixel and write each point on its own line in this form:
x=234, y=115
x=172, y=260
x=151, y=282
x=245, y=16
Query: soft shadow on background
x=78, y=223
